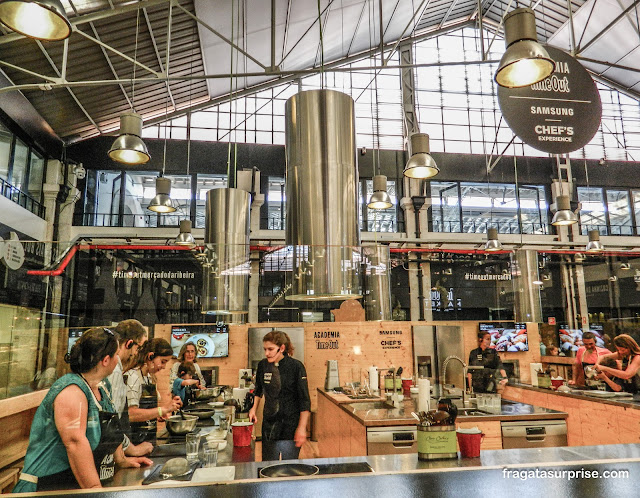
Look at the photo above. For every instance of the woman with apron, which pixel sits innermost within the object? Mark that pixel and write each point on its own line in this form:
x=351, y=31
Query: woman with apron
x=628, y=351
x=76, y=423
x=282, y=382
x=145, y=405
x=484, y=380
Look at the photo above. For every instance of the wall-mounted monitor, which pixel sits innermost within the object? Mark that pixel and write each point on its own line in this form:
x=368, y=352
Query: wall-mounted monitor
x=507, y=336
x=74, y=335
x=211, y=340
x=571, y=339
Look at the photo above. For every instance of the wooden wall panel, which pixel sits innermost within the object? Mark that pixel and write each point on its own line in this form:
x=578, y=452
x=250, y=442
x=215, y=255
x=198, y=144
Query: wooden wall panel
x=359, y=346
x=492, y=433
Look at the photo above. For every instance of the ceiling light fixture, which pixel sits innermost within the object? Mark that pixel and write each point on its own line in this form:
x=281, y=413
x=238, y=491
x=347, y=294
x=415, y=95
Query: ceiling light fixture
x=41, y=19
x=525, y=61
x=380, y=198
x=128, y=147
x=185, y=237
x=594, y=244
x=492, y=244
x=420, y=165
x=161, y=203
x=563, y=215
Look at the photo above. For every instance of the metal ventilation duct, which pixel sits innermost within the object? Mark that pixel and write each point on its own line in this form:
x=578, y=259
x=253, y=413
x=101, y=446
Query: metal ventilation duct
x=526, y=295
x=322, y=197
x=225, y=272
x=377, y=299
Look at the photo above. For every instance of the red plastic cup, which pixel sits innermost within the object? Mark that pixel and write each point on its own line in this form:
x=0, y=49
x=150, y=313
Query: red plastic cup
x=406, y=386
x=470, y=444
x=242, y=433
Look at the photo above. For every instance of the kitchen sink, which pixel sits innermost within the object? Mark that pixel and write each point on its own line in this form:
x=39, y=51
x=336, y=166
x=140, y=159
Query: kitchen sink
x=470, y=412
x=371, y=405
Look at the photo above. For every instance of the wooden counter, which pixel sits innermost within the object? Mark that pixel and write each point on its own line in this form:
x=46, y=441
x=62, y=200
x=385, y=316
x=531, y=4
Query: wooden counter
x=590, y=421
x=342, y=426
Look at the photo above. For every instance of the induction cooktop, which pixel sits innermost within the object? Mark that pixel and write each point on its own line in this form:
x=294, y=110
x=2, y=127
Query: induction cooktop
x=339, y=468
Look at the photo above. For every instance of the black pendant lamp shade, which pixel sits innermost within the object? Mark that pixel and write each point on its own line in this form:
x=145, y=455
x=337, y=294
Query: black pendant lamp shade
x=525, y=61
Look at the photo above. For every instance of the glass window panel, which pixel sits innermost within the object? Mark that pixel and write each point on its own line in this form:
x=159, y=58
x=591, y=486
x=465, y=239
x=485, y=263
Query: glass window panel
x=20, y=161
x=592, y=214
x=6, y=138
x=36, y=173
x=204, y=183
x=619, y=212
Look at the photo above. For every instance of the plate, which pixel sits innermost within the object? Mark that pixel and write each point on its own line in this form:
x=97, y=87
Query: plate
x=214, y=474
x=205, y=346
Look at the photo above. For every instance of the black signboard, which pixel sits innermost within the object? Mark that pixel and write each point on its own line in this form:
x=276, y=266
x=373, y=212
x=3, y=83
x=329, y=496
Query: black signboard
x=557, y=115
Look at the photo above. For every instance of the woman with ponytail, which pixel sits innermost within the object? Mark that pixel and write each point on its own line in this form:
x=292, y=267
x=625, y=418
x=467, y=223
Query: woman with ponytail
x=145, y=405
x=76, y=424
x=282, y=382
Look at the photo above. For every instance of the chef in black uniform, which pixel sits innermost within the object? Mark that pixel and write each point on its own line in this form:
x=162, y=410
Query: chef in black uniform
x=484, y=381
x=282, y=381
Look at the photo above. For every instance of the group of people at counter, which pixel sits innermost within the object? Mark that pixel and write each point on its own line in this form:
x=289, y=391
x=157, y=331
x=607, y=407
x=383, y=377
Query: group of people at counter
x=107, y=409
x=617, y=371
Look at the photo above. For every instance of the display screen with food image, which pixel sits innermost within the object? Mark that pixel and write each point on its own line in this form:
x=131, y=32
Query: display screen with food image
x=571, y=339
x=507, y=336
x=211, y=340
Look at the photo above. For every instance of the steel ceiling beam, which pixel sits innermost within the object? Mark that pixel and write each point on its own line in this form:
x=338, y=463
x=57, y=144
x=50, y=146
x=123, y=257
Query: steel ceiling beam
x=59, y=73
x=448, y=13
x=608, y=27
x=306, y=32
x=157, y=52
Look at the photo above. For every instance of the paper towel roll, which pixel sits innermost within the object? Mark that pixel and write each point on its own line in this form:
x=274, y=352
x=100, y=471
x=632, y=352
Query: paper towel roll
x=240, y=393
x=424, y=394
x=373, y=378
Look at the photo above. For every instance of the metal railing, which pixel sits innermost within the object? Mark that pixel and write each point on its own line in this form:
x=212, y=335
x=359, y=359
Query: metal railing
x=481, y=227
x=21, y=198
x=128, y=220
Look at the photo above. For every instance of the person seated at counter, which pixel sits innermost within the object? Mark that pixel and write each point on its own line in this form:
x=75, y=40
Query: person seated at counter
x=182, y=385
x=142, y=393
x=131, y=337
x=612, y=383
x=76, y=424
x=586, y=355
x=628, y=353
x=188, y=353
x=282, y=381
x=484, y=380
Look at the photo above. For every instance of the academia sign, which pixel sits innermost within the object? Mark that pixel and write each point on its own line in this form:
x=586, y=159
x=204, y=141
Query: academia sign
x=557, y=115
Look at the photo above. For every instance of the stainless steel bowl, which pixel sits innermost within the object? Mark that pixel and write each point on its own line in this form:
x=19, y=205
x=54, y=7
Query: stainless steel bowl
x=178, y=426
x=289, y=470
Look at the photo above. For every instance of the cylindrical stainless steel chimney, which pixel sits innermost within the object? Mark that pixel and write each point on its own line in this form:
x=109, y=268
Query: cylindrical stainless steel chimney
x=377, y=298
x=526, y=295
x=225, y=272
x=322, y=196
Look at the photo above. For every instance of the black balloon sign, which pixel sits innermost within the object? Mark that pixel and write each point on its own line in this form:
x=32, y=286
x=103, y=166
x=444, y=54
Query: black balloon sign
x=557, y=115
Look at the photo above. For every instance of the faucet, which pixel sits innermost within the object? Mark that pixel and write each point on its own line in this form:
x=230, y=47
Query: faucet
x=464, y=368
x=394, y=398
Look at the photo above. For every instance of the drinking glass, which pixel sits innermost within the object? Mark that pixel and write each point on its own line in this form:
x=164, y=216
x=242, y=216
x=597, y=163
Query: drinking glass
x=192, y=442
x=210, y=455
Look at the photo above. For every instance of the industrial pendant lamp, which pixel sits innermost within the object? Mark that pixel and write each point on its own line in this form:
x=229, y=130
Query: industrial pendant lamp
x=380, y=198
x=161, y=203
x=40, y=19
x=594, y=244
x=564, y=215
x=185, y=237
x=525, y=61
x=492, y=244
x=129, y=148
x=421, y=165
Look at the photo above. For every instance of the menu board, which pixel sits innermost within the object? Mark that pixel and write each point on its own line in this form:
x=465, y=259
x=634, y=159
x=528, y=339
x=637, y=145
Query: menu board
x=507, y=336
x=211, y=340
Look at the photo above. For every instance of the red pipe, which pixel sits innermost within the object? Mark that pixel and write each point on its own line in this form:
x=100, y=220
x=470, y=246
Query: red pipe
x=60, y=269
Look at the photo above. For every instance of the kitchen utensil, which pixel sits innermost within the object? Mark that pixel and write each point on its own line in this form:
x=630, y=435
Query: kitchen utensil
x=399, y=372
x=242, y=433
x=332, y=379
x=179, y=427
x=289, y=470
x=201, y=413
x=416, y=416
x=175, y=467
x=181, y=413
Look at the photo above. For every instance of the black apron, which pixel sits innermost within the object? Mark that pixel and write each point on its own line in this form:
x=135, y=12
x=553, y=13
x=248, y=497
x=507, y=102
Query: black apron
x=146, y=431
x=631, y=385
x=111, y=436
x=483, y=381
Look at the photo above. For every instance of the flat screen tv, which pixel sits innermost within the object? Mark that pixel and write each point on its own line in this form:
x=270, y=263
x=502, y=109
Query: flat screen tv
x=571, y=339
x=211, y=340
x=74, y=335
x=507, y=336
